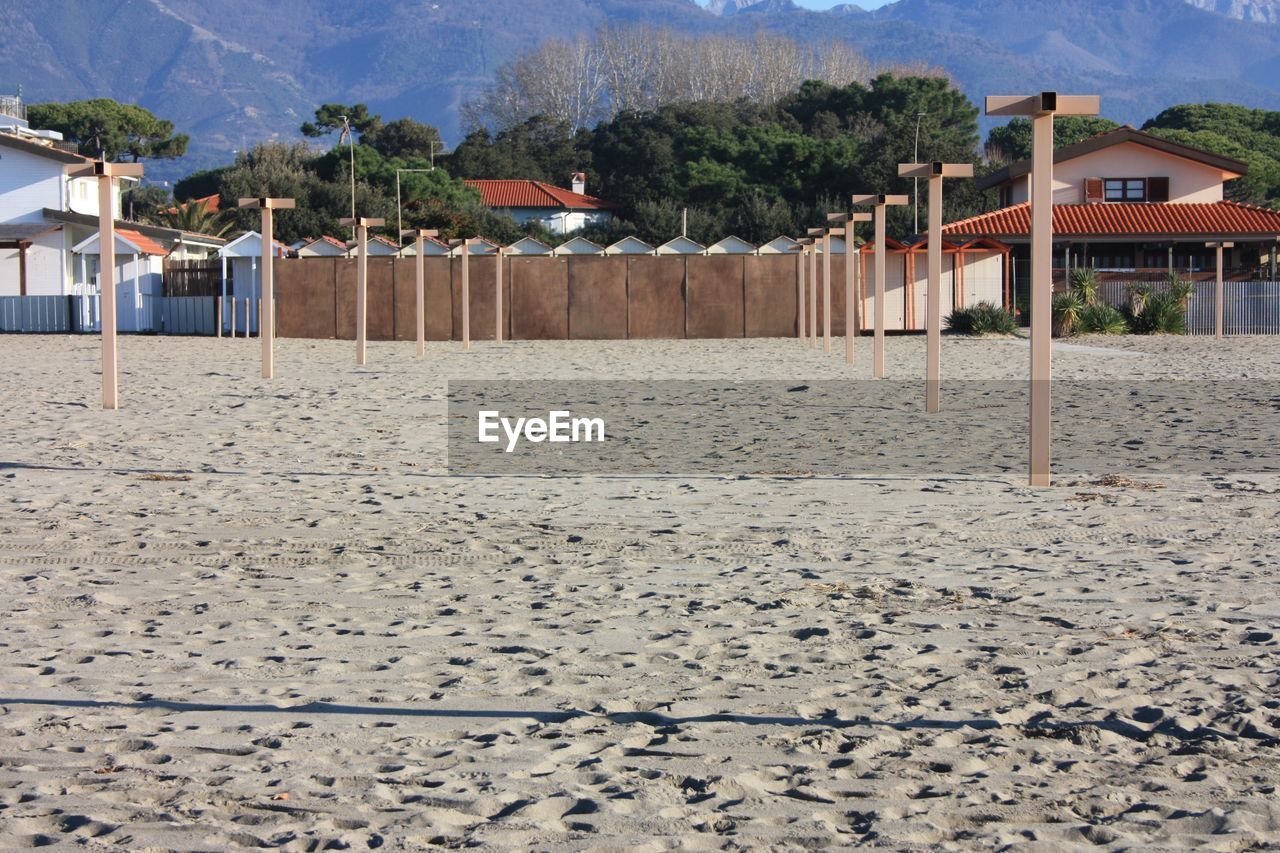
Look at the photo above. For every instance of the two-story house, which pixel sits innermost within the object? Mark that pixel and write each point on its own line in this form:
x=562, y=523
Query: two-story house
x=1132, y=204
x=46, y=214
x=558, y=210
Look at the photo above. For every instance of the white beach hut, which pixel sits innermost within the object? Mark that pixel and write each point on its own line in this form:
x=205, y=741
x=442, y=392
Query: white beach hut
x=139, y=275
x=322, y=247
x=682, y=246
x=731, y=246
x=241, y=258
x=431, y=248
x=630, y=246
x=781, y=245
x=482, y=246
x=579, y=246
x=529, y=246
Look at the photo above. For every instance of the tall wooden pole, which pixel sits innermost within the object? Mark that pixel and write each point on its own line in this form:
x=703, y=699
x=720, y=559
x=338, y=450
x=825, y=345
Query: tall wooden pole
x=935, y=172
x=801, y=295
x=362, y=225
x=851, y=317
x=105, y=173
x=813, y=295
x=497, y=305
x=880, y=203
x=1219, y=291
x=420, y=283
x=266, y=318
x=1041, y=108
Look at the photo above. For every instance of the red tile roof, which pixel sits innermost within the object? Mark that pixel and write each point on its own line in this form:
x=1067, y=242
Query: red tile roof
x=534, y=194
x=1128, y=220
x=144, y=243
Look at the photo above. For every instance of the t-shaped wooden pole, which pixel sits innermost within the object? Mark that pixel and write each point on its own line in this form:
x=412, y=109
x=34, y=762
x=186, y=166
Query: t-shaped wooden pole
x=420, y=292
x=362, y=225
x=266, y=324
x=935, y=172
x=105, y=173
x=852, y=319
x=1041, y=108
x=880, y=203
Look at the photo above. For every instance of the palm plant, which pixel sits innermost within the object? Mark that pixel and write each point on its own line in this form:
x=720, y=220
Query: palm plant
x=1066, y=313
x=1084, y=284
x=196, y=217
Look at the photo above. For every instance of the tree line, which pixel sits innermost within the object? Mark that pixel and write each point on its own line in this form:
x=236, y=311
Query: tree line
x=667, y=127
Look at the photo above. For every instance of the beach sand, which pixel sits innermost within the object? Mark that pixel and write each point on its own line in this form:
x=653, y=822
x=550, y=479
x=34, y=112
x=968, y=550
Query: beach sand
x=240, y=612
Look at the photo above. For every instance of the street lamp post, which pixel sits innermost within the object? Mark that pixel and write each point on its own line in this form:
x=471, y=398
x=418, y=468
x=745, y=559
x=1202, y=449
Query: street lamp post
x=915, y=158
x=267, y=321
x=1041, y=108
x=935, y=172
x=880, y=203
x=351, y=140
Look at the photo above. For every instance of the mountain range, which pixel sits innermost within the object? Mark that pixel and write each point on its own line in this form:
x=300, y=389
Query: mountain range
x=238, y=71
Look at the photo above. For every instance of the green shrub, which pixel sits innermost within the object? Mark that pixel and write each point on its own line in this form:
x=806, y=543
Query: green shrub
x=1066, y=313
x=1084, y=284
x=1159, y=314
x=1101, y=319
x=982, y=319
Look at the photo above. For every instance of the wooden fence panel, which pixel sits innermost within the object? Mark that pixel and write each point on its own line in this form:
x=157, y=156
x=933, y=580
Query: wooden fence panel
x=656, y=297
x=480, y=272
x=193, y=278
x=770, y=296
x=305, y=300
x=539, y=299
x=381, y=299
x=345, y=299
x=598, y=297
x=406, y=286
x=715, y=296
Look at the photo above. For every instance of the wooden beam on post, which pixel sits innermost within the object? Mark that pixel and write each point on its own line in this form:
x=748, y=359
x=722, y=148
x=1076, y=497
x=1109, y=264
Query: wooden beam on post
x=1041, y=109
x=362, y=225
x=880, y=203
x=851, y=317
x=105, y=173
x=1219, y=305
x=267, y=331
x=934, y=172
x=420, y=282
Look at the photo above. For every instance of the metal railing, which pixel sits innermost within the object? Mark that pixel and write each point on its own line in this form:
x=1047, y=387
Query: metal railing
x=1248, y=307
x=11, y=105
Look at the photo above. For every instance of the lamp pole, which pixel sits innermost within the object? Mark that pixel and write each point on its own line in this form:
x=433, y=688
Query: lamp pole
x=1041, y=109
x=915, y=158
x=399, y=223
x=351, y=140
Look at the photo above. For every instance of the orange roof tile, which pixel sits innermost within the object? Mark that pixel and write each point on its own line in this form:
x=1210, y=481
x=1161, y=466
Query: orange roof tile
x=1128, y=220
x=508, y=193
x=144, y=243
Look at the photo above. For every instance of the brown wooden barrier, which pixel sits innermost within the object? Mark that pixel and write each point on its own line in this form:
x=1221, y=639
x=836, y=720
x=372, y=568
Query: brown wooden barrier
x=598, y=297
x=715, y=296
x=381, y=299
x=345, y=297
x=539, y=299
x=769, y=294
x=480, y=274
x=305, y=298
x=656, y=296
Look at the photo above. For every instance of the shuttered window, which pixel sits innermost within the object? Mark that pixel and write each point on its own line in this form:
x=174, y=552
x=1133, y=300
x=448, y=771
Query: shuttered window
x=1157, y=189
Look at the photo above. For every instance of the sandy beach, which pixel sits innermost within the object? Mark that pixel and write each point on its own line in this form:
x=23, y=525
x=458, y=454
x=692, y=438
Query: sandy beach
x=254, y=613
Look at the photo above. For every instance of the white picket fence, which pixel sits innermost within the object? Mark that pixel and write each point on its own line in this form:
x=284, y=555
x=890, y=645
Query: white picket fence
x=135, y=313
x=1249, y=307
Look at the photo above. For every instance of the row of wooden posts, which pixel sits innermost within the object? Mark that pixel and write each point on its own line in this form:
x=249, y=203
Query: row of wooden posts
x=1040, y=108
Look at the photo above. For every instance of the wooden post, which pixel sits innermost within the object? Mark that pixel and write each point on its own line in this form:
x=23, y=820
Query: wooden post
x=248, y=316
x=420, y=282
x=1219, y=290
x=105, y=173
x=851, y=316
x=233, y=315
x=362, y=225
x=466, y=295
x=880, y=203
x=497, y=306
x=801, y=330
x=218, y=301
x=1041, y=108
x=267, y=330
x=935, y=172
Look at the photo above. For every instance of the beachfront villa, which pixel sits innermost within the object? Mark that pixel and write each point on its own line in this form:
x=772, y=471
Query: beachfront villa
x=1133, y=205
x=558, y=210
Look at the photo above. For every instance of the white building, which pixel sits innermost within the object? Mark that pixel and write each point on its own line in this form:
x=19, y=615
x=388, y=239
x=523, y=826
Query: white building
x=558, y=210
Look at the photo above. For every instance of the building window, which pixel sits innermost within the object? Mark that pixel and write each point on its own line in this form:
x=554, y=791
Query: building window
x=1125, y=189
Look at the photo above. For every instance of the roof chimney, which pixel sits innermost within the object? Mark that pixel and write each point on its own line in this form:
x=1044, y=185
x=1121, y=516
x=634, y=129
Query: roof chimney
x=578, y=183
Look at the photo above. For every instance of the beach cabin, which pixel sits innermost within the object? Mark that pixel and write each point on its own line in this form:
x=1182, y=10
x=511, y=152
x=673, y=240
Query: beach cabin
x=578, y=246
x=528, y=246
x=483, y=246
x=895, y=303
x=322, y=247
x=780, y=246
x=139, y=276
x=682, y=246
x=731, y=246
x=379, y=247
x=630, y=246
x=242, y=280
x=431, y=248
